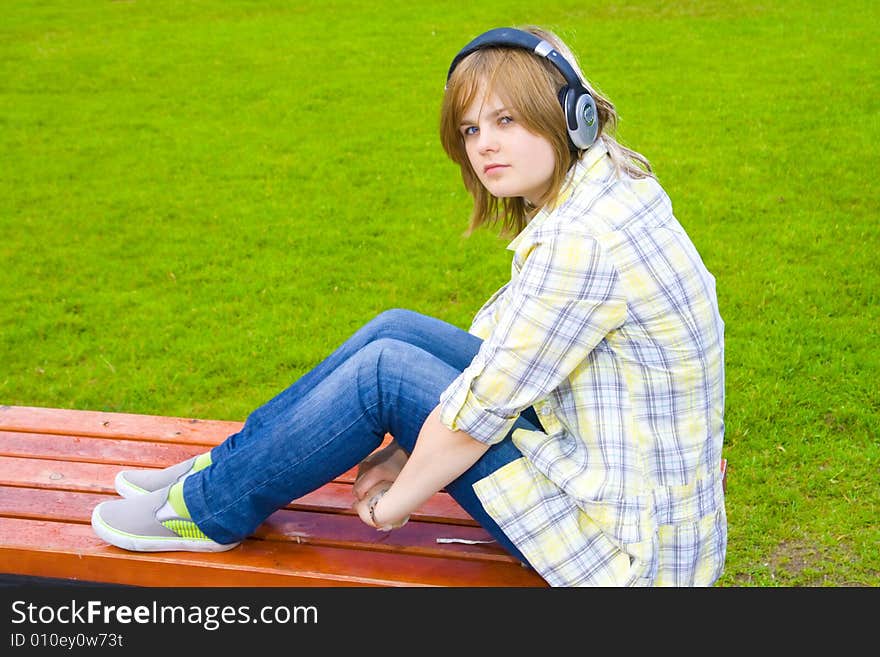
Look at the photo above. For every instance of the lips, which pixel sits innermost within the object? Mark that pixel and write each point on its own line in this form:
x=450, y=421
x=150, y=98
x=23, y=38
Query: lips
x=492, y=168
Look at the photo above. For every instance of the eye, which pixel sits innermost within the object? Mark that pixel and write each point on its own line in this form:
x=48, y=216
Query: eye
x=470, y=130
x=505, y=120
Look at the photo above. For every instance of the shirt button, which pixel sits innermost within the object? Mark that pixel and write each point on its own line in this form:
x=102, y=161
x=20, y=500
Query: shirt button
x=545, y=411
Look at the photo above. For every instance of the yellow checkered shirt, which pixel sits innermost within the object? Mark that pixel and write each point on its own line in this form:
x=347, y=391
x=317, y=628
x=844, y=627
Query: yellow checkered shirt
x=609, y=327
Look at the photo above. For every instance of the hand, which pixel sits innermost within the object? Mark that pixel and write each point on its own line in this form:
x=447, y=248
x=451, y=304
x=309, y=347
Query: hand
x=362, y=506
x=381, y=466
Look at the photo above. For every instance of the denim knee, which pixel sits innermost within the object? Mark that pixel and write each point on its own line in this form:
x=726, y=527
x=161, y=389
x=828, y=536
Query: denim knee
x=391, y=320
x=376, y=356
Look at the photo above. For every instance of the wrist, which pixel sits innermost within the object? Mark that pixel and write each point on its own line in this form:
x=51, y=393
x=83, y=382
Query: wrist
x=371, y=505
x=375, y=515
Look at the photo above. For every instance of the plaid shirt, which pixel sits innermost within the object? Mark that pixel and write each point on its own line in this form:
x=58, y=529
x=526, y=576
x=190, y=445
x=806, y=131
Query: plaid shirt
x=610, y=328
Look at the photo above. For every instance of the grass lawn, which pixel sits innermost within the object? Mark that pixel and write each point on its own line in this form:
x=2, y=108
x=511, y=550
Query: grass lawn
x=199, y=200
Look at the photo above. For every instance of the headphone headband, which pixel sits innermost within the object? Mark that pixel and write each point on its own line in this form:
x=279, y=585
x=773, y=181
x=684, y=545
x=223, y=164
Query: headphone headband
x=578, y=105
x=508, y=37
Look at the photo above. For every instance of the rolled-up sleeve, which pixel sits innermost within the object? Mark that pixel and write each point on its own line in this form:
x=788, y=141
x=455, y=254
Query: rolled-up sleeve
x=565, y=300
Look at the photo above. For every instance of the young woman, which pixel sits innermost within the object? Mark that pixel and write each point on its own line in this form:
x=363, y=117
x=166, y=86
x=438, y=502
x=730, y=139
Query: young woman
x=579, y=420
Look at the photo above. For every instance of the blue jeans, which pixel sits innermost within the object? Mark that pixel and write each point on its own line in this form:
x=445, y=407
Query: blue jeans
x=386, y=378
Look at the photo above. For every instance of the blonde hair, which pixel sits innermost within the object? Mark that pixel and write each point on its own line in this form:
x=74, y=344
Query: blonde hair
x=529, y=84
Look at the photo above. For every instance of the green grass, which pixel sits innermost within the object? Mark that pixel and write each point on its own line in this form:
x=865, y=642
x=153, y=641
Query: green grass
x=199, y=200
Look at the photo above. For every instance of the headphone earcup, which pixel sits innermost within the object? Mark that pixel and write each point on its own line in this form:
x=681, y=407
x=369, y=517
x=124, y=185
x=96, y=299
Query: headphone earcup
x=581, y=117
x=561, y=96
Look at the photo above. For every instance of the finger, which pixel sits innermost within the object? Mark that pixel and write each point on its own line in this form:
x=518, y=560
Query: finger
x=365, y=482
x=363, y=511
x=359, y=509
x=358, y=488
x=365, y=466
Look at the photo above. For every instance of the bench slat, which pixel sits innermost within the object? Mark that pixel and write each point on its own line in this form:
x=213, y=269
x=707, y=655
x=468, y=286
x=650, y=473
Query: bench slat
x=284, y=525
x=155, y=428
x=54, y=549
x=119, y=452
x=98, y=478
x=122, y=452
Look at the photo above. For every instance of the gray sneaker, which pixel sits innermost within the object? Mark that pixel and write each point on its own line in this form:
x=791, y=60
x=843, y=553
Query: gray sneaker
x=148, y=523
x=131, y=483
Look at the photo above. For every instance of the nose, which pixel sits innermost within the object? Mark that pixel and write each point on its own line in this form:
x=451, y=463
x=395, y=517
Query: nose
x=487, y=141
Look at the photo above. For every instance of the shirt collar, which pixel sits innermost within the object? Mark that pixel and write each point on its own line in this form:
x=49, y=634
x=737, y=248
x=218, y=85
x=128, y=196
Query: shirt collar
x=589, y=166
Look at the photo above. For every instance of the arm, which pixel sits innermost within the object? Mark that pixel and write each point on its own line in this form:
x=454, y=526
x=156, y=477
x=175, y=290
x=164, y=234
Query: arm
x=440, y=455
x=564, y=302
x=567, y=298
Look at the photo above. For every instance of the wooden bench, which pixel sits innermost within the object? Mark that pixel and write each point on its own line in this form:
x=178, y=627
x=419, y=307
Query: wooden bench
x=56, y=465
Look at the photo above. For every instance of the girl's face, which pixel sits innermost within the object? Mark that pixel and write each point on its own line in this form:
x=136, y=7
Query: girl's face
x=509, y=160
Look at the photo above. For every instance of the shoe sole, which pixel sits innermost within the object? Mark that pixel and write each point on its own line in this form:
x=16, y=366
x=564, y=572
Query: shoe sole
x=136, y=543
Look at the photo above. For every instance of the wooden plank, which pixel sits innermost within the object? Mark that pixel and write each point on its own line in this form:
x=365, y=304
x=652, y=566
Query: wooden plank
x=98, y=478
x=57, y=505
x=53, y=549
x=45, y=473
x=416, y=537
x=157, y=428
x=120, y=452
x=296, y=526
x=97, y=424
x=123, y=452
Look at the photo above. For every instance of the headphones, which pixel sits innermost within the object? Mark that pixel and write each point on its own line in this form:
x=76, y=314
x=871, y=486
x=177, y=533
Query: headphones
x=579, y=107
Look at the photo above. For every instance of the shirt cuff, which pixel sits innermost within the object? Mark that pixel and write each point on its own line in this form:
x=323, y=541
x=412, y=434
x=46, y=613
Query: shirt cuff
x=461, y=410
